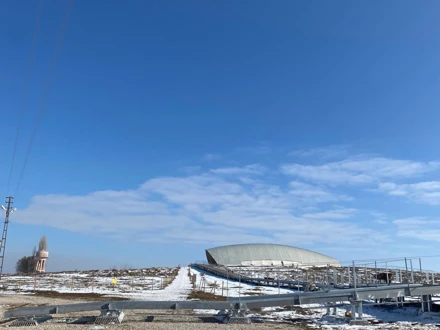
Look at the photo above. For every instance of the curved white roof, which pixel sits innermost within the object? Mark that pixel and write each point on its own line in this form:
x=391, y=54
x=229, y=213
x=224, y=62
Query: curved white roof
x=266, y=254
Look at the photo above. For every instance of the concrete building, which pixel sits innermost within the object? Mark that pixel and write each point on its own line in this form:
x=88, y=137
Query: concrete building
x=266, y=255
x=41, y=256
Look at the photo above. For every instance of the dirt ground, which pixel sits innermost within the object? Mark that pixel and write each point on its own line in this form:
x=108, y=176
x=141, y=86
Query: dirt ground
x=161, y=320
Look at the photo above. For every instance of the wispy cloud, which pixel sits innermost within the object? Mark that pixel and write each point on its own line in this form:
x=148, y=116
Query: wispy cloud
x=252, y=203
x=315, y=194
x=423, y=192
x=379, y=217
x=214, y=207
x=419, y=227
x=333, y=214
x=329, y=173
x=357, y=171
x=316, y=232
x=254, y=169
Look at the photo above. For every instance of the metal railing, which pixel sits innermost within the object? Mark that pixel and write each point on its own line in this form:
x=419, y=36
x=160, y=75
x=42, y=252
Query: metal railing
x=245, y=303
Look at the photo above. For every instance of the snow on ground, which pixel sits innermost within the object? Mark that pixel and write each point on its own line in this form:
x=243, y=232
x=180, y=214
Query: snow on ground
x=178, y=289
x=127, y=285
x=392, y=318
x=215, y=284
x=147, y=285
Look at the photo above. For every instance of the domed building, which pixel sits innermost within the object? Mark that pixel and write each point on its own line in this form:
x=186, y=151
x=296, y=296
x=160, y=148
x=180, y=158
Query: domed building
x=266, y=255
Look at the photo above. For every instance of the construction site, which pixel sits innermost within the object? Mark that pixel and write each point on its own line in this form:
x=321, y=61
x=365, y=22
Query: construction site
x=251, y=164
x=377, y=294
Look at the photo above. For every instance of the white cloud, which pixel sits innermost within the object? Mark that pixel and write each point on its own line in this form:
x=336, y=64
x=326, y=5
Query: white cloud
x=205, y=191
x=249, y=181
x=314, y=194
x=329, y=173
x=110, y=212
x=209, y=234
x=312, y=206
x=379, y=217
x=422, y=192
x=419, y=228
x=333, y=214
x=211, y=208
x=327, y=231
x=243, y=204
x=356, y=171
x=254, y=169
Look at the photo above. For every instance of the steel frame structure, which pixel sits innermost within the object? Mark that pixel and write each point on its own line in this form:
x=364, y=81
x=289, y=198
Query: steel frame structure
x=355, y=296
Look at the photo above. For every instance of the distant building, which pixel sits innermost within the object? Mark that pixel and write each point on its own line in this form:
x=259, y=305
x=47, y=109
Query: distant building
x=266, y=255
x=41, y=256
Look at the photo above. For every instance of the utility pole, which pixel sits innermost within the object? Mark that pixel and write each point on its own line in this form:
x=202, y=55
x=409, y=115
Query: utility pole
x=8, y=209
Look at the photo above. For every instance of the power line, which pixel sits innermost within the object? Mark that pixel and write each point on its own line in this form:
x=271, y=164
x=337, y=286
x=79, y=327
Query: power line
x=23, y=100
x=57, y=51
x=8, y=209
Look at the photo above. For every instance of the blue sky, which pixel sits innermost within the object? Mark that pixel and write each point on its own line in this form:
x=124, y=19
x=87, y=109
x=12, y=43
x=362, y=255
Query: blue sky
x=171, y=127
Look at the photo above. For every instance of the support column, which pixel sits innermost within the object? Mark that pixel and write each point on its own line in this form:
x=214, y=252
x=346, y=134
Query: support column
x=426, y=302
x=412, y=271
x=359, y=320
x=360, y=311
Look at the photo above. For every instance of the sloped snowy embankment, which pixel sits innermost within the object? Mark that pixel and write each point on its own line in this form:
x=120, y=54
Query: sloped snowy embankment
x=401, y=318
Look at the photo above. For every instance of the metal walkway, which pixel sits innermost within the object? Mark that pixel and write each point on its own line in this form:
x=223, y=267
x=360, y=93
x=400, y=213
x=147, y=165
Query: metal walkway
x=215, y=270
x=285, y=284
x=239, y=304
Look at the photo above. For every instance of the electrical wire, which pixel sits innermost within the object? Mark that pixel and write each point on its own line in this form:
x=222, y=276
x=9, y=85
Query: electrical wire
x=23, y=100
x=56, y=53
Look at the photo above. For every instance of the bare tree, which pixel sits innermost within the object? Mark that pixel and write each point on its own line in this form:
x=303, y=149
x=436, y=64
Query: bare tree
x=25, y=265
x=34, y=251
x=42, y=246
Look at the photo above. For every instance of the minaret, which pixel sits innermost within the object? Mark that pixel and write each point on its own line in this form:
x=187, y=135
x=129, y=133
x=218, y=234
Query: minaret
x=41, y=256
